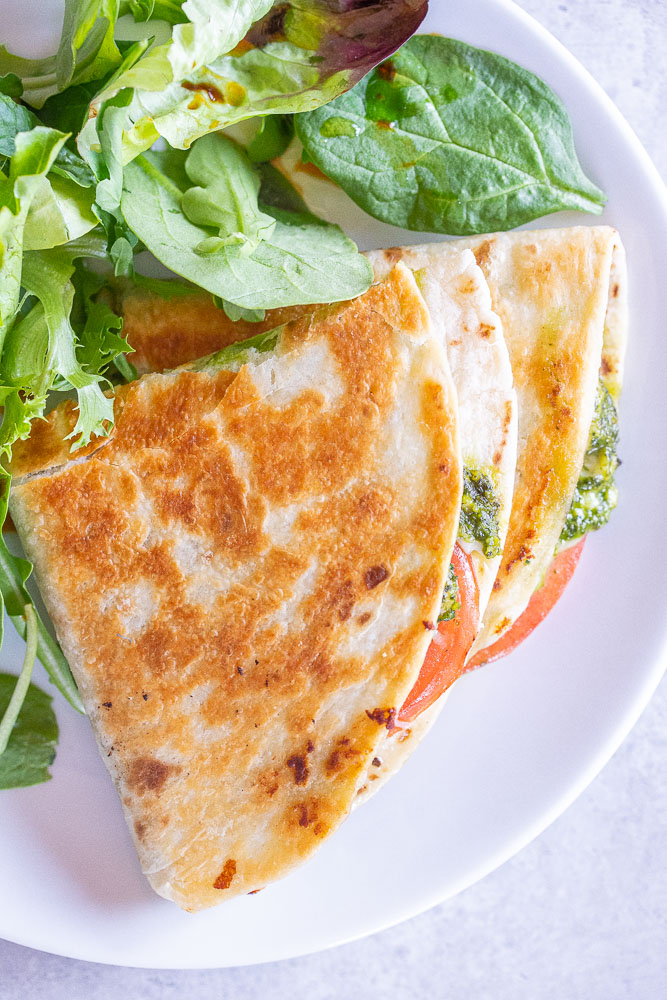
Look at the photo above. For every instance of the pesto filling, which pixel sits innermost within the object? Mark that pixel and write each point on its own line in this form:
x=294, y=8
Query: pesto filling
x=450, y=598
x=596, y=495
x=480, y=507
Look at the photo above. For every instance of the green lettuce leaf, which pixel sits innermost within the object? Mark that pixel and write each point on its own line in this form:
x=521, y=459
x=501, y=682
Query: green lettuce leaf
x=304, y=260
x=87, y=52
x=46, y=275
x=33, y=157
x=32, y=743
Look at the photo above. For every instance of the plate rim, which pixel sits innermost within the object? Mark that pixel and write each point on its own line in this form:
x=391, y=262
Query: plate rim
x=641, y=697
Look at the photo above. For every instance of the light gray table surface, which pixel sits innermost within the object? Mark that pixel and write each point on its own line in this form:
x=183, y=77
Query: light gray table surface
x=582, y=911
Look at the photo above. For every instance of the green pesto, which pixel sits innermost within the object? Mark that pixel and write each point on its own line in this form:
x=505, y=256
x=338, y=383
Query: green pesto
x=450, y=597
x=235, y=355
x=596, y=494
x=480, y=507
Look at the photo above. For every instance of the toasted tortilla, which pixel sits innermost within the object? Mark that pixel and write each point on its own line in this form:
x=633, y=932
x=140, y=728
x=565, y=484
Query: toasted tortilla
x=561, y=295
x=170, y=330
x=242, y=577
x=458, y=298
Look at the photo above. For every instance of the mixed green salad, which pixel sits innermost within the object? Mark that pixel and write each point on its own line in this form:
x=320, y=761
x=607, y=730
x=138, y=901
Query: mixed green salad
x=113, y=146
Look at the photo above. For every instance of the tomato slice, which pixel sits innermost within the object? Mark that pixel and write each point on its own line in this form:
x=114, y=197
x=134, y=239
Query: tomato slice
x=445, y=657
x=557, y=578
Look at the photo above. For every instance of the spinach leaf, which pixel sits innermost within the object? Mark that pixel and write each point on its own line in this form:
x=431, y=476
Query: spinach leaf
x=14, y=118
x=32, y=743
x=11, y=85
x=448, y=138
x=304, y=260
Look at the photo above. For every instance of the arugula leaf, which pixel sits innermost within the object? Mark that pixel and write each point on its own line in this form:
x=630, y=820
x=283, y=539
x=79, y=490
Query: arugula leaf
x=227, y=199
x=448, y=138
x=32, y=744
x=304, y=260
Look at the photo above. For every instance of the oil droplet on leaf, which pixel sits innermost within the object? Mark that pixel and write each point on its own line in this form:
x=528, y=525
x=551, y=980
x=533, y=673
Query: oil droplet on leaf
x=335, y=127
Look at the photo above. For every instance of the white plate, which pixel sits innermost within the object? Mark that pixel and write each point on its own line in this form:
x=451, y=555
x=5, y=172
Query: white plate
x=516, y=743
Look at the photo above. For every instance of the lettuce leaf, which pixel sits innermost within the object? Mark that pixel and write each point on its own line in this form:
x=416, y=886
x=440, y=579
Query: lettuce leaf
x=87, y=51
x=33, y=157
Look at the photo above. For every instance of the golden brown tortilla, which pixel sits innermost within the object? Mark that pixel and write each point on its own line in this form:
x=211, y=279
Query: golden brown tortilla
x=243, y=578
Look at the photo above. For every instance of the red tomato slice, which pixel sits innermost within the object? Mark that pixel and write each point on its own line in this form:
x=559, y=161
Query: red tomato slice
x=557, y=578
x=445, y=657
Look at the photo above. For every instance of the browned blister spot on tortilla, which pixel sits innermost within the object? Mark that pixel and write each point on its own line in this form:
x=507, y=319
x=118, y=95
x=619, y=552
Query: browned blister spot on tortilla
x=392, y=255
x=374, y=576
x=224, y=879
x=383, y=717
x=148, y=774
x=299, y=768
x=239, y=537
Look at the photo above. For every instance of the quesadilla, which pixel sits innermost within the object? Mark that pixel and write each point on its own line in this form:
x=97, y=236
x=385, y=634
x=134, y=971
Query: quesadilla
x=165, y=326
x=244, y=575
x=561, y=297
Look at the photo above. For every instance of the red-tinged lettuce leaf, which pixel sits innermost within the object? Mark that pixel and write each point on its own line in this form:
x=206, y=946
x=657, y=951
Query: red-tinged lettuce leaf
x=296, y=57
x=348, y=35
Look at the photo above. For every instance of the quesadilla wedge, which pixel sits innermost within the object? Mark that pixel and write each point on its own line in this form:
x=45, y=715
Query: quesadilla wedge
x=242, y=577
x=562, y=298
x=164, y=330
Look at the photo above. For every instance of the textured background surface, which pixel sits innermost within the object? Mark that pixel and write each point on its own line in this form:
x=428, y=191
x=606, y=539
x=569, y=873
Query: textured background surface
x=581, y=912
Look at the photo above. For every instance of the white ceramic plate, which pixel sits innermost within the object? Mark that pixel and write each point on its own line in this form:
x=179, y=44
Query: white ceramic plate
x=516, y=742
